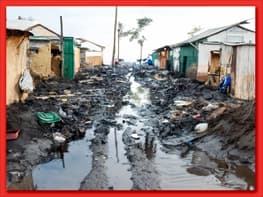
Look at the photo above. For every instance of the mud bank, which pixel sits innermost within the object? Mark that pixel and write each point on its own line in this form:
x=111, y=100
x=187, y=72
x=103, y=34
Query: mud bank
x=152, y=127
x=181, y=103
x=92, y=97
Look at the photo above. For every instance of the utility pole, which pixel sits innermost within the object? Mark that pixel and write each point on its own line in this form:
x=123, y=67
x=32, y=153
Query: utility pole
x=119, y=32
x=62, y=46
x=114, y=38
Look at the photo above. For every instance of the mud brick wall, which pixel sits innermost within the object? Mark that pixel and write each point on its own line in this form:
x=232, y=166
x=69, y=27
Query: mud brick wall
x=16, y=60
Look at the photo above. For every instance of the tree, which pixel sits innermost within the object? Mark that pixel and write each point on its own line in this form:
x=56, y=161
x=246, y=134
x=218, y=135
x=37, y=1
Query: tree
x=141, y=41
x=135, y=33
x=120, y=34
x=114, y=38
x=194, y=30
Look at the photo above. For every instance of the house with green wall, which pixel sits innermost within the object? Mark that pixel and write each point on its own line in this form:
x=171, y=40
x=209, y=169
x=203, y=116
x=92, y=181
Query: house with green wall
x=197, y=59
x=163, y=58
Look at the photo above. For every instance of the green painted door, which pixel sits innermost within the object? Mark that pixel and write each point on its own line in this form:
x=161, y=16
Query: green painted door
x=68, y=57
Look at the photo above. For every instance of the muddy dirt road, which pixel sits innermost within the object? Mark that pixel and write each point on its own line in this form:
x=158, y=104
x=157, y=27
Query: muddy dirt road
x=129, y=129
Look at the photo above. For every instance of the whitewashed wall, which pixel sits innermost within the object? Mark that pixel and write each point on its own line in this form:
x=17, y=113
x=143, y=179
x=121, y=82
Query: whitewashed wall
x=204, y=58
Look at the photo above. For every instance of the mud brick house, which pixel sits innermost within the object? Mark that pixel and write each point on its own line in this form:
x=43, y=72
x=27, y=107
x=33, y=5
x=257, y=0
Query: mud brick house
x=44, y=45
x=17, y=45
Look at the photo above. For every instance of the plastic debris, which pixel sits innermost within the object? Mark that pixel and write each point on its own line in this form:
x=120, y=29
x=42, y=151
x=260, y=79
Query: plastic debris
x=182, y=103
x=49, y=117
x=62, y=113
x=12, y=135
x=210, y=107
x=135, y=136
x=197, y=116
x=26, y=81
x=58, y=137
x=201, y=127
x=165, y=121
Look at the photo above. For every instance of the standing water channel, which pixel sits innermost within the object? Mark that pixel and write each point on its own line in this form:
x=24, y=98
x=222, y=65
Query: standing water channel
x=135, y=157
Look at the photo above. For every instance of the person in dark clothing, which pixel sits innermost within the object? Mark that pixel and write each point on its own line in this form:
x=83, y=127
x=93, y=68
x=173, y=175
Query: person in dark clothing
x=225, y=84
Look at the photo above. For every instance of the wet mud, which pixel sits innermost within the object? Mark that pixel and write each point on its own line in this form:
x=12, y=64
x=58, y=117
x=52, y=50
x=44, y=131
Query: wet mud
x=145, y=127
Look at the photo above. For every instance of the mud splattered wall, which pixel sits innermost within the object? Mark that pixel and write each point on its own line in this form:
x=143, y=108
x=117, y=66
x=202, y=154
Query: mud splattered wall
x=76, y=59
x=16, y=60
x=204, y=60
x=188, y=58
x=41, y=60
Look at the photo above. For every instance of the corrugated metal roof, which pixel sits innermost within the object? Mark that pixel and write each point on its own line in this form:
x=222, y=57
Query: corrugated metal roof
x=208, y=33
x=49, y=38
x=26, y=25
x=21, y=25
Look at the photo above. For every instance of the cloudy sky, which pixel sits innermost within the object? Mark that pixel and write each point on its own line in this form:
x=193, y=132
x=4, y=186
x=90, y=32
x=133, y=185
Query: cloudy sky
x=170, y=24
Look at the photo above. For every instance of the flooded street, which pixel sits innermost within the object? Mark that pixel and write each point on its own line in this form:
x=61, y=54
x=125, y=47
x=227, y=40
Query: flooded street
x=133, y=157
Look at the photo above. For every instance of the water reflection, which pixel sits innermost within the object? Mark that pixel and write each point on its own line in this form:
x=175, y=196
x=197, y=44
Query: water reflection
x=138, y=95
x=150, y=146
x=72, y=163
x=231, y=175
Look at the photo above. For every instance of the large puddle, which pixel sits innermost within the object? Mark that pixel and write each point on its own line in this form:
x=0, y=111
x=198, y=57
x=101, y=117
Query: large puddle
x=192, y=172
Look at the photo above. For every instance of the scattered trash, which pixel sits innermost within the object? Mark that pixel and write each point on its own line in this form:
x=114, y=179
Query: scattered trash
x=12, y=135
x=87, y=122
x=210, y=107
x=82, y=130
x=158, y=77
x=58, y=137
x=50, y=117
x=64, y=100
x=165, y=121
x=135, y=136
x=182, y=103
x=197, y=116
x=97, y=78
x=67, y=91
x=216, y=113
x=62, y=113
x=26, y=81
x=201, y=127
x=52, y=93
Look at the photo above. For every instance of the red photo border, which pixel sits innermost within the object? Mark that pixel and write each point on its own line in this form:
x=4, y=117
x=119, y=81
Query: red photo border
x=259, y=145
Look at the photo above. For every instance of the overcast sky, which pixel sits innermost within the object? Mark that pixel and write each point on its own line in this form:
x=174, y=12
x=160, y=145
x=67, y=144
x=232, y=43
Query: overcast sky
x=170, y=24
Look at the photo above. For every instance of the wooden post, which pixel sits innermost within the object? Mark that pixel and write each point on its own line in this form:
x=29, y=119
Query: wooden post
x=62, y=46
x=114, y=38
